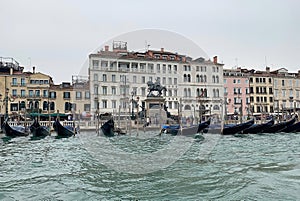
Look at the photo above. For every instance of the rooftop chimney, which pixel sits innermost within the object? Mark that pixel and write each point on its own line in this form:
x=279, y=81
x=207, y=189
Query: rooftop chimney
x=33, y=69
x=215, y=59
x=106, y=48
x=162, y=49
x=11, y=70
x=267, y=69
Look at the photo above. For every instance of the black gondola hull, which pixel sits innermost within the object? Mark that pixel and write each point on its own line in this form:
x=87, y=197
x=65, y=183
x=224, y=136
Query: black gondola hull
x=63, y=131
x=279, y=127
x=13, y=131
x=234, y=129
x=258, y=128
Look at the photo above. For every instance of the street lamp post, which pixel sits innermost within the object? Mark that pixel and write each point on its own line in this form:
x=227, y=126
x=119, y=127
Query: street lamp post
x=6, y=103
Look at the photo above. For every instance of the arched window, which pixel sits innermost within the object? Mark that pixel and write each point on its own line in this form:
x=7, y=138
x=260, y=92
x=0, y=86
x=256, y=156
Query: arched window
x=36, y=105
x=30, y=105
x=52, y=106
x=216, y=107
x=68, y=106
x=214, y=93
x=213, y=79
x=197, y=78
x=22, y=105
x=204, y=78
x=45, y=105
x=205, y=92
x=187, y=107
x=189, y=92
x=95, y=77
x=217, y=79
x=201, y=78
x=185, y=92
x=189, y=77
x=217, y=69
x=198, y=92
x=217, y=93
x=214, y=69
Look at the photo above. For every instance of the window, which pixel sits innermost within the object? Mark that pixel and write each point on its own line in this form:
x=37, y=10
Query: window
x=282, y=82
x=291, y=92
x=95, y=77
x=175, y=81
x=68, y=106
x=234, y=81
x=87, y=107
x=52, y=94
x=114, y=104
x=104, y=103
x=290, y=83
x=143, y=79
x=170, y=92
x=87, y=94
x=113, y=78
x=113, y=91
x=78, y=94
x=104, y=78
x=143, y=90
x=95, y=63
x=23, y=93
x=14, y=81
x=225, y=81
x=67, y=95
x=283, y=93
x=45, y=93
x=52, y=105
x=96, y=89
x=30, y=93
x=175, y=92
x=23, y=81
x=45, y=105
x=104, y=90
x=164, y=80
x=158, y=68
x=170, y=80
x=14, y=92
x=134, y=79
x=238, y=81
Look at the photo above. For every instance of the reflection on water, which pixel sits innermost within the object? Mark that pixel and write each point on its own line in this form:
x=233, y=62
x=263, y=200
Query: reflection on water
x=250, y=167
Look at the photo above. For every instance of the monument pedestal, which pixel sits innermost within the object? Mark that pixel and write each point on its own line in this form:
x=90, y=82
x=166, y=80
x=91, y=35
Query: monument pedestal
x=156, y=114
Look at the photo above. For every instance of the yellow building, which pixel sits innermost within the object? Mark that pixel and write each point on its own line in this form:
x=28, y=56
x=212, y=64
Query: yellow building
x=34, y=92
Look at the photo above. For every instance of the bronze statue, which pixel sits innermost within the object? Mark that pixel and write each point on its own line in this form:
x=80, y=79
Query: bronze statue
x=156, y=86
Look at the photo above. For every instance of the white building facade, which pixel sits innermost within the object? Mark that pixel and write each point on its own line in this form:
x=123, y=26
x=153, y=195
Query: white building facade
x=118, y=76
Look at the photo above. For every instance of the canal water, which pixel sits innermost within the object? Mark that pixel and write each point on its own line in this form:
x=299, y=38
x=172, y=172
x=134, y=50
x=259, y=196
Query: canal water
x=144, y=166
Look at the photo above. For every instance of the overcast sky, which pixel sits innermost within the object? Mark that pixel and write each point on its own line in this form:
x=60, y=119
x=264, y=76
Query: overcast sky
x=57, y=36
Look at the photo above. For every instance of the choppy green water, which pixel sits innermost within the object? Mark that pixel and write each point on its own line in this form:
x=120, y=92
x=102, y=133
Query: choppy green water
x=251, y=167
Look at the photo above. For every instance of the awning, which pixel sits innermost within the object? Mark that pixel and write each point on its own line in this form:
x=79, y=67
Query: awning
x=47, y=115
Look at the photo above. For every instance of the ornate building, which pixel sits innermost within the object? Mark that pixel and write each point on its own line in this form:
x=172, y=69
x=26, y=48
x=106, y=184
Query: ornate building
x=118, y=75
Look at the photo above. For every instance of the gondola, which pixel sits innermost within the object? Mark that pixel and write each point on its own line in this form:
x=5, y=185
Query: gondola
x=292, y=128
x=258, y=128
x=108, y=128
x=39, y=131
x=279, y=127
x=63, y=131
x=14, y=131
x=236, y=128
x=203, y=125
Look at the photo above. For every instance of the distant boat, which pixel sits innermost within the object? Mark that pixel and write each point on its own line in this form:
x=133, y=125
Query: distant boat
x=175, y=129
x=236, y=128
x=63, y=131
x=14, y=131
x=39, y=131
x=258, y=128
x=279, y=127
x=108, y=128
x=292, y=128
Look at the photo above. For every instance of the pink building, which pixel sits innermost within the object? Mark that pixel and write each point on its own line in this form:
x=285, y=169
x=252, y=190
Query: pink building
x=236, y=93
